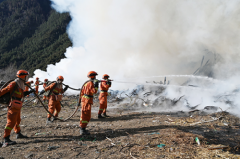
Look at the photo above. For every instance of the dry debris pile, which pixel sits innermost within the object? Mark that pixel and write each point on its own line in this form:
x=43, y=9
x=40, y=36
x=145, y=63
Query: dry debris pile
x=139, y=133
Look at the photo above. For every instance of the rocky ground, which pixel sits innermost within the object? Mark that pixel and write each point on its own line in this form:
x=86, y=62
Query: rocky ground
x=126, y=134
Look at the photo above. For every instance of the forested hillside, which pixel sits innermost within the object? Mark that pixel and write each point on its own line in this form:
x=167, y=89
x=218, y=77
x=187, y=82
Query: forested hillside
x=32, y=34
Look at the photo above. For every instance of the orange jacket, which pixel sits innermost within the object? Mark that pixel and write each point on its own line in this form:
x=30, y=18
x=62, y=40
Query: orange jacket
x=55, y=90
x=104, y=87
x=36, y=83
x=18, y=93
x=26, y=88
x=87, y=92
x=44, y=85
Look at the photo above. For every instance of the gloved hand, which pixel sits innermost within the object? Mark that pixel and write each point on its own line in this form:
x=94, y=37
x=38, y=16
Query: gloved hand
x=28, y=92
x=42, y=91
x=66, y=87
x=95, y=82
x=109, y=83
x=32, y=90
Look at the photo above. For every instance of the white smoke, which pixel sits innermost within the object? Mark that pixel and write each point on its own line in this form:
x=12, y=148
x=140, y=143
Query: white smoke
x=136, y=38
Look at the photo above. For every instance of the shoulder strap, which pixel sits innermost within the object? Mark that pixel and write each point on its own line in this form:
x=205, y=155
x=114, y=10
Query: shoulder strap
x=50, y=92
x=15, y=87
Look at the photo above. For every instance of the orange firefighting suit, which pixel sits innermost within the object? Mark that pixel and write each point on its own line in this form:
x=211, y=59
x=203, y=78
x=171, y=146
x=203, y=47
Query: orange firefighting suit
x=103, y=97
x=13, y=115
x=36, y=86
x=53, y=104
x=26, y=88
x=44, y=85
x=86, y=101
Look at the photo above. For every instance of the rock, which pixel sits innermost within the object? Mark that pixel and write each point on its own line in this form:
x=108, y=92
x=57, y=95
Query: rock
x=50, y=148
x=30, y=155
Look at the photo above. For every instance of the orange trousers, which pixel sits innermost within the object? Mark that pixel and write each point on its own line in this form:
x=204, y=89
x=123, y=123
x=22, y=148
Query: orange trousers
x=103, y=103
x=13, y=121
x=85, y=114
x=45, y=97
x=52, y=106
x=36, y=89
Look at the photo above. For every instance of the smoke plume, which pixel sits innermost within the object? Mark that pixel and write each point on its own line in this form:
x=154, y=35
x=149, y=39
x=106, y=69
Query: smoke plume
x=137, y=38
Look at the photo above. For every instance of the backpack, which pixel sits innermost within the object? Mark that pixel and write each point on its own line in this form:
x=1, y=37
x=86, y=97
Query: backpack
x=5, y=99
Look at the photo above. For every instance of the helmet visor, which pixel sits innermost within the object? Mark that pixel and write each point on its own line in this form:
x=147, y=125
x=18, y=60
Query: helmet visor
x=27, y=78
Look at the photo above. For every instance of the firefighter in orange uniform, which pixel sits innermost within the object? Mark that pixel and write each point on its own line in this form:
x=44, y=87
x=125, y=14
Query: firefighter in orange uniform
x=44, y=85
x=36, y=85
x=16, y=89
x=55, y=97
x=90, y=88
x=104, y=86
x=26, y=88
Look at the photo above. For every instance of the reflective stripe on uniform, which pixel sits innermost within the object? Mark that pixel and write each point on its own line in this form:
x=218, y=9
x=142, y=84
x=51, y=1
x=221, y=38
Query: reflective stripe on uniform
x=96, y=88
x=18, y=126
x=101, y=109
x=8, y=128
x=19, y=93
x=84, y=121
x=86, y=97
x=55, y=90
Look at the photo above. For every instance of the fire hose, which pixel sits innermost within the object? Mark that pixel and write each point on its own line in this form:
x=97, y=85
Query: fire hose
x=79, y=100
x=72, y=88
x=37, y=96
x=29, y=101
x=63, y=84
x=51, y=82
x=77, y=106
x=41, y=101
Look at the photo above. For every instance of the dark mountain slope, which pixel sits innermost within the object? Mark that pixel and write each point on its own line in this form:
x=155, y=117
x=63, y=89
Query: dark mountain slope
x=32, y=35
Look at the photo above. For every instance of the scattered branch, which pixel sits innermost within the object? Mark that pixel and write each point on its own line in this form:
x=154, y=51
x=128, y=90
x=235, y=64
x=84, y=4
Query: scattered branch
x=206, y=121
x=111, y=141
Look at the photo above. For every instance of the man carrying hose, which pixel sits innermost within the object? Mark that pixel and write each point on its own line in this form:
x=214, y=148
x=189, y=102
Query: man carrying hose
x=37, y=85
x=16, y=89
x=104, y=86
x=90, y=88
x=56, y=91
x=26, y=88
x=44, y=85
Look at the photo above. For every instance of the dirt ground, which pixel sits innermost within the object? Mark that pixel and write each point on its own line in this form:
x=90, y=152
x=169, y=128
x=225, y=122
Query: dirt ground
x=126, y=134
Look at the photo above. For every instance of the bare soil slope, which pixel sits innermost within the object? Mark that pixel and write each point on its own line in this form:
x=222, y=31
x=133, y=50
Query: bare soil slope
x=126, y=134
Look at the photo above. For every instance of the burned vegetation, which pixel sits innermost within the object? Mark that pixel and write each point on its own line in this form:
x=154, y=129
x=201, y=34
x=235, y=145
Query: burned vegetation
x=144, y=123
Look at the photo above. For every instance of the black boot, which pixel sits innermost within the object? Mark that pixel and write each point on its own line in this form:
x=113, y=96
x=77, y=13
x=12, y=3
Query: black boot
x=49, y=120
x=20, y=136
x=100, y=116
x=54, y=119
x=7, y=141
x=105, y=115
x=83, y=131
